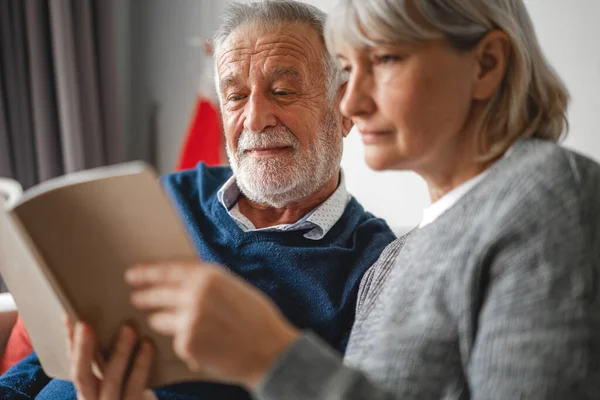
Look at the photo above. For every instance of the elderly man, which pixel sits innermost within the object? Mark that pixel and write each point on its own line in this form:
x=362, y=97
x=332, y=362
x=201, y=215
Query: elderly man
x=280, y=218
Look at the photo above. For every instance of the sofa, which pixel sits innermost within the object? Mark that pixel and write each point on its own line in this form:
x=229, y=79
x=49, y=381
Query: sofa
x=8, y=317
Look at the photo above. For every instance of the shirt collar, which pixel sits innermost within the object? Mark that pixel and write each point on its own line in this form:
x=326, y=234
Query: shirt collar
x=321, y=219
x=435, y=210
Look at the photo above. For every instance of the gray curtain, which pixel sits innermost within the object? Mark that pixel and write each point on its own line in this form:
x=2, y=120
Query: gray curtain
x=59, y=108
x=59, y=105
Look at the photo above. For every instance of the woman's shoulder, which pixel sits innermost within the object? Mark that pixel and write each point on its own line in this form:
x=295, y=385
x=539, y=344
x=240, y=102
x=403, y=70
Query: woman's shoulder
x=544, y=172
x=547, y=162
x=541, y=187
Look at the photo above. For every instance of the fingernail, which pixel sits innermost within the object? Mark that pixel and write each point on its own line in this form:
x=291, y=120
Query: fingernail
x=127, y=332
x=130, y=275
x=79, y=328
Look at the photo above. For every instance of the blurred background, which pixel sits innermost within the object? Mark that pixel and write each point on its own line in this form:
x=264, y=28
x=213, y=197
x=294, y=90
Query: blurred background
x=92, y=82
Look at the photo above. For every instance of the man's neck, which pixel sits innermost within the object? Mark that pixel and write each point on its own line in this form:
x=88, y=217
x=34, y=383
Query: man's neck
x=263, y=216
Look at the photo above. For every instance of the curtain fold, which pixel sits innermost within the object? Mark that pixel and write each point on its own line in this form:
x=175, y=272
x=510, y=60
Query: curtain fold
x=13, y=42
x=6, y=161
x=59, y=100
x=87, y=69
x=69, y=106
x=43, y=91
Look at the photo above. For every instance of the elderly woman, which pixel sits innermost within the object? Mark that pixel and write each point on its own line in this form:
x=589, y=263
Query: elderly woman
x=496, y=294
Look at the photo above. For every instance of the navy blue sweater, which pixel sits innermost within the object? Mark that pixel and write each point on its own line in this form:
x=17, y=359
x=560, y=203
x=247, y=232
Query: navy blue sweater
x=313, y=282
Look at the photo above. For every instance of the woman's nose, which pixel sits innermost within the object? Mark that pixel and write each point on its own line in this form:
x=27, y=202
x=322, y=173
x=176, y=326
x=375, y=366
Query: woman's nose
x=357, y=98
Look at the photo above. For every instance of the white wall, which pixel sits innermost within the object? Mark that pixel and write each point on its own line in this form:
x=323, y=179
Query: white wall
x=568, y=32
x=166, y=70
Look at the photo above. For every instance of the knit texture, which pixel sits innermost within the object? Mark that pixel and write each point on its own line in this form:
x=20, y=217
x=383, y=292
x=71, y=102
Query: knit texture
x=496, y=299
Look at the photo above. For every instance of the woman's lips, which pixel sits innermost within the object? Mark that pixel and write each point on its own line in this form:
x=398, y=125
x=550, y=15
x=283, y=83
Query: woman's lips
x=372, y=137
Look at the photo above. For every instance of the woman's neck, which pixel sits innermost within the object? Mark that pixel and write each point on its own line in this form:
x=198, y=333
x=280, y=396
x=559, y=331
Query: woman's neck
x=451, y=167
x=441, y=184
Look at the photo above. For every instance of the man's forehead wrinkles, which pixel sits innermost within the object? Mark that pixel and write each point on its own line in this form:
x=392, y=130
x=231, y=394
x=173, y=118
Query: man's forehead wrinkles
x=259, y=51
x=243, y=46
x=297, y=45
x=265, y=54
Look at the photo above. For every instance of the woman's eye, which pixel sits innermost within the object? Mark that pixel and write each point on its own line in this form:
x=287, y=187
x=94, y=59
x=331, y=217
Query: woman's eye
x=387, y=59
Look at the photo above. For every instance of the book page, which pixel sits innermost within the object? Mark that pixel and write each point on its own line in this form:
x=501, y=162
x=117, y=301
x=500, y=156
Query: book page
x=89, y=231
x=38, y=305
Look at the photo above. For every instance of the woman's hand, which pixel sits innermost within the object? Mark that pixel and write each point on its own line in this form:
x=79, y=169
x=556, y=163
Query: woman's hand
x=222, y=327
x=114, y=384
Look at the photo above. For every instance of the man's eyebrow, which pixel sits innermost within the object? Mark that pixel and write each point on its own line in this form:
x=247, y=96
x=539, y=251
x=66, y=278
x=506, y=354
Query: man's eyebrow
x=227, y=81
x=285, y=72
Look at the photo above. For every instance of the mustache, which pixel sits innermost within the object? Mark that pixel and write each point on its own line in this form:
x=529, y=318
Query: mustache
x=271, y=137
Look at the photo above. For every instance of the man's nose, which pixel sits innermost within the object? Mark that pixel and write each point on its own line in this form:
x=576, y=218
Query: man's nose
x=259, y=114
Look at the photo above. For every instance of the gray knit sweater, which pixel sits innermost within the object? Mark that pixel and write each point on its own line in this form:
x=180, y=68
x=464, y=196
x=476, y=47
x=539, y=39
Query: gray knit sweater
x=497, y=299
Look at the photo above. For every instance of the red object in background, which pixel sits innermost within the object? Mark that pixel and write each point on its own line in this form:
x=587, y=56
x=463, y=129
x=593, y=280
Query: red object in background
x=203, y=140
x=17, y=347
x=202, y=143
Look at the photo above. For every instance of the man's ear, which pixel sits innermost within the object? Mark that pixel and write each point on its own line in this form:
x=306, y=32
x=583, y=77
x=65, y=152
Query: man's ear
x=492, y=54
x=347, y=123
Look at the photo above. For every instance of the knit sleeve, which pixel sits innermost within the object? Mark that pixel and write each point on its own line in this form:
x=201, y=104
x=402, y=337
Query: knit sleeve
x=312, y=370
x=373, y=278
x=537, y=325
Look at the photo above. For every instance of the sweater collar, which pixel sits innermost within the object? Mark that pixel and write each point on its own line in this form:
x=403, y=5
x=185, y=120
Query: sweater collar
x=319, y=220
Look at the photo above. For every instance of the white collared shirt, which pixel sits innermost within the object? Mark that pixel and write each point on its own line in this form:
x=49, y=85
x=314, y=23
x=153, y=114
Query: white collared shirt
x=446, y=202
x=436, y=209
x=321, y=219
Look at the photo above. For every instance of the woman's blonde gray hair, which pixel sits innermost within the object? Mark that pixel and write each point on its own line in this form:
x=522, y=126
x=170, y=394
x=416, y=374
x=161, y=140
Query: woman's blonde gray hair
x=532, y=101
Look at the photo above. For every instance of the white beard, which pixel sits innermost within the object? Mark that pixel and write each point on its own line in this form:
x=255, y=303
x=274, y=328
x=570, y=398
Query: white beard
x=279, y=180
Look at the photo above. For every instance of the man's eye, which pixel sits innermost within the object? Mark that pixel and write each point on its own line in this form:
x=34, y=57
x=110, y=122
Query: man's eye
x=236, y=97
x=282, y=93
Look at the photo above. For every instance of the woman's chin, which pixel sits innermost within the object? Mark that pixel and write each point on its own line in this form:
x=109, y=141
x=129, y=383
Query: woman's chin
x=379, y=161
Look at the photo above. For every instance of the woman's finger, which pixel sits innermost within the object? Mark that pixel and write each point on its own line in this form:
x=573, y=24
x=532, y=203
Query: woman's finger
x=165, y=323
x=140, y=371
x=84, y=345
x=156, y=274
x=114, y=371
x=156, y=297
x=70, y=336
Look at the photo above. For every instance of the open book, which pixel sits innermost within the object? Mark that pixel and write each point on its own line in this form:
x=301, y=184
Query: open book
x=64, y=249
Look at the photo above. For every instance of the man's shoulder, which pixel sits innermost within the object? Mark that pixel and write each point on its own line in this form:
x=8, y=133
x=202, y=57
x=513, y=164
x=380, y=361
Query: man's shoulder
x=365, y=222
x=202, y=179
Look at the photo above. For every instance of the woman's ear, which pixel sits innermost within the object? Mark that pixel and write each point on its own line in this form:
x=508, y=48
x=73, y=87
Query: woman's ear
x=492, y=55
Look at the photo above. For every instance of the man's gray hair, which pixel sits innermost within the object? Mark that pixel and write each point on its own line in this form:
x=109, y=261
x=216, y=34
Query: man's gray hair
x=270, y=14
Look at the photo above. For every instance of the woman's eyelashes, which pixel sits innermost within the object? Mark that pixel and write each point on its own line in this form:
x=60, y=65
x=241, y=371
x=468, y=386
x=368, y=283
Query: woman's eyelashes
x=386, y=59
x=377, y=60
